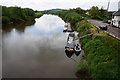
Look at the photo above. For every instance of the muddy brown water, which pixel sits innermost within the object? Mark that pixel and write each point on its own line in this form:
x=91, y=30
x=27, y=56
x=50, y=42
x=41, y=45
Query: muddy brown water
x=37, y=51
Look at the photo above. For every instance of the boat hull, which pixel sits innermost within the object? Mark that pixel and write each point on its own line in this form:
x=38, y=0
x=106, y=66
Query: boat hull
x=69, y=53
x=77, y=53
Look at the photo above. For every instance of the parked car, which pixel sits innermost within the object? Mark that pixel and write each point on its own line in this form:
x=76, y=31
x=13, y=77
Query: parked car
x=109, y=21
x=103, y=27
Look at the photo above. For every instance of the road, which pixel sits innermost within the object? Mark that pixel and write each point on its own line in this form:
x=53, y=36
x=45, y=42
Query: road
x=113, y=31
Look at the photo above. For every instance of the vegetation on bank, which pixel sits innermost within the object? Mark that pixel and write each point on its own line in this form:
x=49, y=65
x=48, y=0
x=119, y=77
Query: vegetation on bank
x=18, y=14
x=85, y=28
x=92, y=13
x=99, y=14
x=68, y=16
x=38, y=14
x=101, y=53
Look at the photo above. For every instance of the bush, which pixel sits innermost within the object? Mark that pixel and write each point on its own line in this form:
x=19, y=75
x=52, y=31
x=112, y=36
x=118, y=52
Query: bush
x=38, y=14
x=101, y=53
x=73, y=18
x=5, y=19
x=102, y=57
x=83, y=65
x=84, y=27
x=16, y=14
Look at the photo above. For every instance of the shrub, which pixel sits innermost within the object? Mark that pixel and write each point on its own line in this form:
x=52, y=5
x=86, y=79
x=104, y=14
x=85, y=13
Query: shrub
x=83, y=65
x=5, y=19
x=102, y=53
x=16, y=14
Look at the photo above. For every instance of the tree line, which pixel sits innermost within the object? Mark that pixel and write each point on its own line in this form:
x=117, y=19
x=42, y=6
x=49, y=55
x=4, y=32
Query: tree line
x=100, y=14
x=76, y=14
x=17, y=14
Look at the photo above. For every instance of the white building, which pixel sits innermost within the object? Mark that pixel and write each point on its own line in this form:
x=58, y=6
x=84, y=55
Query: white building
x=116, y=17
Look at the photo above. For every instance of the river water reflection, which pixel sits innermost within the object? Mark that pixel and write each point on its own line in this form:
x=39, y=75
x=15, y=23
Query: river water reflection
x=38, y=51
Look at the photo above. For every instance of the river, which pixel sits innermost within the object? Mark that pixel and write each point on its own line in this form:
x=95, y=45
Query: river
x=37, y=51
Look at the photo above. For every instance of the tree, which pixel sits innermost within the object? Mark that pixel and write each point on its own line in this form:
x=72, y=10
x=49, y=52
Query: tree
x=79, y=10
x=73, y=18
x=94, y=12
x=16, y=14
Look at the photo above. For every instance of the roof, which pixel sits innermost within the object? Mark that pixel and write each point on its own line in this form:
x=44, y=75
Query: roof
x=116, y=13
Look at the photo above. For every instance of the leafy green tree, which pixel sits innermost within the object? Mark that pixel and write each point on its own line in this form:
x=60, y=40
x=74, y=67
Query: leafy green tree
x=94, y=12
x=5, y=19
x=100, y=14
x=16, y=14
x=5, y=11
x=79, y=11
x=73, y=18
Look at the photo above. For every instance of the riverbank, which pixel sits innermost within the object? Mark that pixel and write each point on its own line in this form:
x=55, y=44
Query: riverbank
x=101, y=53
x=101, y=50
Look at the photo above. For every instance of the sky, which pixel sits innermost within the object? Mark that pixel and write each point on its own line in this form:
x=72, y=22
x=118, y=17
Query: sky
x=63, y=4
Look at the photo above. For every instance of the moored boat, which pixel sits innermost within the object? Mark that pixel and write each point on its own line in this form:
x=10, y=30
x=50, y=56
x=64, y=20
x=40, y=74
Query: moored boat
x=69, y=49
x=69, y=53
x=77, y=49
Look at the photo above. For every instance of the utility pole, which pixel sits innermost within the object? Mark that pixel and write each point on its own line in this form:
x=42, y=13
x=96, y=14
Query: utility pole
x=108, y=5
x=118, y=5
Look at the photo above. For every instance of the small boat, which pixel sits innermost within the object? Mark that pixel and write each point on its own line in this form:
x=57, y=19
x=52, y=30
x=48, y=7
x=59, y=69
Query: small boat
x=66, y=25
x=77, y=49
x=69, y=49
x=69, y=53
x=65, y=30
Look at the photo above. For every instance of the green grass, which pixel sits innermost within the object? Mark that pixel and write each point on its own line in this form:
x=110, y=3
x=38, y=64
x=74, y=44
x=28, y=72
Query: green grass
x=83, y=65
x=102, y=57
x=38, y=14
x=101, y=53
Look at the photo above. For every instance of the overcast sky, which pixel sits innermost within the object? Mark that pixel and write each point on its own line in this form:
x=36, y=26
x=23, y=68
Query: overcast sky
x=64, y=4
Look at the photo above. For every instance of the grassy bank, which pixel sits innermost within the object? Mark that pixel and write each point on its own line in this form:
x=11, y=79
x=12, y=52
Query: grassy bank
x=101, y=58
x=101, y=53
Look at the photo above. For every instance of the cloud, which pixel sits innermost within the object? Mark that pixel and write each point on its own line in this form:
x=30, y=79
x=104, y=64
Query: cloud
x=65, y=4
